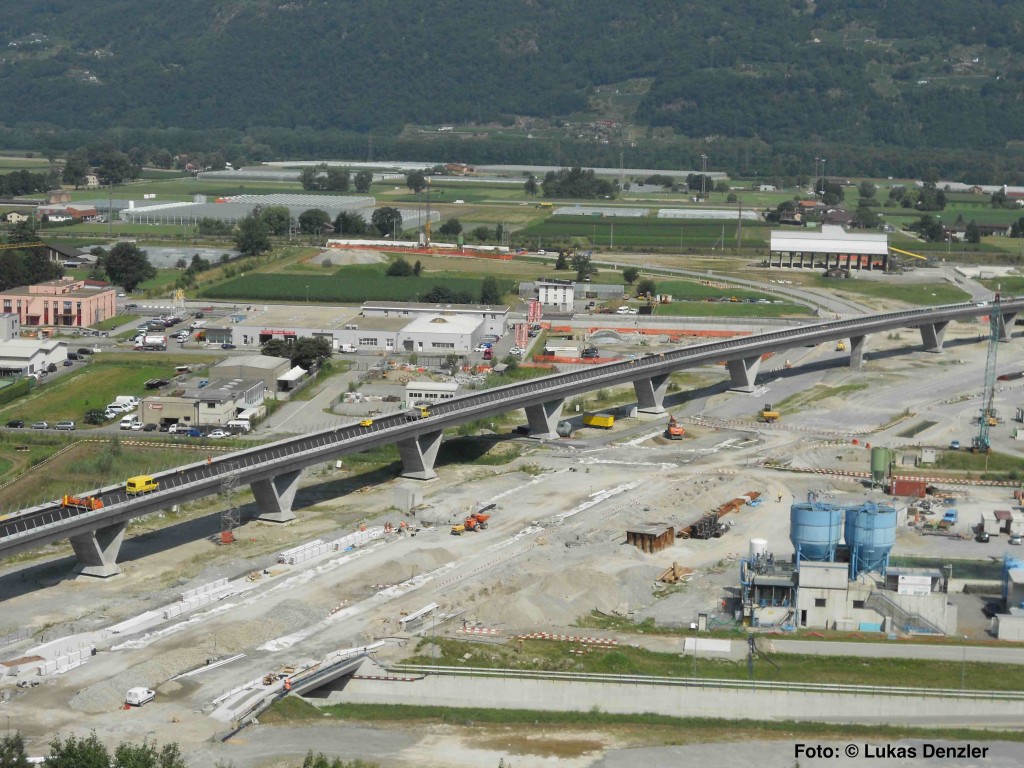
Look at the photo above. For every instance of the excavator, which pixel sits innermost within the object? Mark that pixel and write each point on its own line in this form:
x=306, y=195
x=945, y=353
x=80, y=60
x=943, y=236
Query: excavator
x=674, y=430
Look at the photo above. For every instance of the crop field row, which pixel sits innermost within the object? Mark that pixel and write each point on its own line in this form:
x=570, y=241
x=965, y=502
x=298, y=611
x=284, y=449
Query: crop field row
x=646, y=232
x=349, y=285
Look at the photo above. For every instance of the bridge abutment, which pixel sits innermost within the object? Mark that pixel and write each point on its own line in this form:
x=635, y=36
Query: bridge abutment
x=743, y=373
x=857, y=351
x=543, y=419
x=97, y=551
x=274, y=497
x=419, y=454
x=932, y=335
x=650, y=393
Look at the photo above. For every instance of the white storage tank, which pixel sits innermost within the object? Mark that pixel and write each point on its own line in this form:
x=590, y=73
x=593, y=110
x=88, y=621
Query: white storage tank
x=758, y=548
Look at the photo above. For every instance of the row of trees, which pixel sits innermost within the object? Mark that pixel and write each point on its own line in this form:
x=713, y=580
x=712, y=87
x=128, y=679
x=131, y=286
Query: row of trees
x=333, y=179
x=24, y=266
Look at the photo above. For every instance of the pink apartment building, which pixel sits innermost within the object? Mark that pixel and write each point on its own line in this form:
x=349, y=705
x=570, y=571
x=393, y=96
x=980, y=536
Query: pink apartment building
x=61, y=302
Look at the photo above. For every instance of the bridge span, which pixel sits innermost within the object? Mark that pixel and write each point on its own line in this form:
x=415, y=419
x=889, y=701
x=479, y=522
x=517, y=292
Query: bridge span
x=272, y=470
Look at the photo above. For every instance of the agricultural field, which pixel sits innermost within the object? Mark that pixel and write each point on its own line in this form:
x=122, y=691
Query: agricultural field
x=647, y=232
x=921, y=294
x=347, y=285
x=93, y=385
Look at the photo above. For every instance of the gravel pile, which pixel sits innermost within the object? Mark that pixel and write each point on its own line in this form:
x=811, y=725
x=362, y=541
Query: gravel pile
x=109, y=694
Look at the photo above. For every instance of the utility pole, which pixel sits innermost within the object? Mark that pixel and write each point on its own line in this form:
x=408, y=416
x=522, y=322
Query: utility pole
x=703, y=175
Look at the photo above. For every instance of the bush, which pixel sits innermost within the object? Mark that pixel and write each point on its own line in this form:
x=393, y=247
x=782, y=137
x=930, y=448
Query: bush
x=17, y=389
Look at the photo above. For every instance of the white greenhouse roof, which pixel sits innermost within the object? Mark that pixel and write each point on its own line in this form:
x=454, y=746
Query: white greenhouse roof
x=830, y=239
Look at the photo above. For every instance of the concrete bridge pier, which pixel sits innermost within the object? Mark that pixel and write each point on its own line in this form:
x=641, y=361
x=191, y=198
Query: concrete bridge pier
x=274, y=497
x=1006, y=326
x=97, y=551
x=743, y=373
x=650, y=393
x=932, y=335
x=856, y=351
x=419, y=454
x=543, y=419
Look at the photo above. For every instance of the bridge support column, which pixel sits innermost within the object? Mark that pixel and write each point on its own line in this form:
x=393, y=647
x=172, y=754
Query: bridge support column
x=932, y=334
x=274, y=497
x=97, y=551
x=543, y=419
x=743, y=373
x=1006, y=327
x=650, y=393
x=856, y=351
x=418, y=455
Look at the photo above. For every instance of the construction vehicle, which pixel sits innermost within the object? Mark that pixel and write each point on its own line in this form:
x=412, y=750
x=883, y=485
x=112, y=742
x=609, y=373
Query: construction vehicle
x=458, y=530
x=140, y=484
x=988, y=417
x=417, y=412
x=840, y=346
x=674, y=430
x=769, y=415
x=603, y=420
x=82, y=502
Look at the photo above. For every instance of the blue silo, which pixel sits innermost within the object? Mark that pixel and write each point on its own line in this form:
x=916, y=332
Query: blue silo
x=870, y=535
x=815, y=530
x=1009, y=564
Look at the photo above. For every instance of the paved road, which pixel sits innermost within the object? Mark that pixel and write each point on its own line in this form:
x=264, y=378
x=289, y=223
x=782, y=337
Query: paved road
x=902, y=651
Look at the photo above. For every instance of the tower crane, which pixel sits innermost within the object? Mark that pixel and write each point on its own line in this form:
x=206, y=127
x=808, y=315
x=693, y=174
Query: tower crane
x=981, y=443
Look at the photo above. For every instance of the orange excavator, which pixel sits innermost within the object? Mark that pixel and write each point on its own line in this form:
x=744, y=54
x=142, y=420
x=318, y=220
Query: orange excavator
x=674, y=430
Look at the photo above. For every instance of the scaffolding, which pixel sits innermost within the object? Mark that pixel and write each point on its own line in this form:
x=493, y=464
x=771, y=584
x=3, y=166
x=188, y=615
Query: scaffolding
x=230, y=516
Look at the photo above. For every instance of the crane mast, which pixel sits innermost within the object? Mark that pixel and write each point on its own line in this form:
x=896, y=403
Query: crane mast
x=988, y=415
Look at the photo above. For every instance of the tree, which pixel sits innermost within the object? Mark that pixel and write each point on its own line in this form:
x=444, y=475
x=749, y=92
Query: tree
x=313, y=177
x=313, y=221
x=442, y=294
x=350, y=223
x=39, y=267
x=866, y=190
x=490, y=292
x=865, y=218
x=451, y=363
x=128, y=266
x=929, y=228
x=198, y=264
x=399, y=268
x=582, y=265
x=387, y=220
x=362, y=181
x=499, y=233
x=252, y=237
x=337, y=179
x=561, y=262
x=630, y=274
x=277, y=348
x=646, y=286
x=277, y=218
x=75, y=168
x=12, y=751
x=450, y=228
x=481, y=233
x=417, y=268
x=530, y=186
x=307, y=351
x=416, y=181
x=74, y=752
x=972, y=234
x=116, y=168
x=145, y=755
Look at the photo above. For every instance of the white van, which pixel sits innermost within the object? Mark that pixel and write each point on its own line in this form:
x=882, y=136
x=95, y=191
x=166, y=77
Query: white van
x=136, y=697
x=348, y=348
x=129, y=421
x=129, y=400
x=242, y=424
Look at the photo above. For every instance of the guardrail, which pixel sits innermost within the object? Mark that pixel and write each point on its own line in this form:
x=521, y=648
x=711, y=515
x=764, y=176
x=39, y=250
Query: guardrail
x=698, y=682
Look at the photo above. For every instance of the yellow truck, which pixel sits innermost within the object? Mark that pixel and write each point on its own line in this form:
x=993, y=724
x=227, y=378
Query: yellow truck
x=603, y=420
x=140, y=484
x=769, y=414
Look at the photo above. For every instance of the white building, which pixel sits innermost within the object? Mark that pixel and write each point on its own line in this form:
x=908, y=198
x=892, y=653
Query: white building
x=20, y=357
x=430, y=391
x=556, y=295
x=441, y=334
x=494, y=318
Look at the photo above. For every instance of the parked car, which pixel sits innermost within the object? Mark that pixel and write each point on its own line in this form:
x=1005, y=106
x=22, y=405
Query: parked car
x=40, y=425
x=149, y=428
x=137, y=426
x=66, y=426
x=68, y=363
x=131, y=306
x=1015, y=539
x=84, y=351
x=227, y=346
x=217, y=434
x=983, y=537
x=156, y=383
x=51, y=368
x=15, y=424
x=74, y=356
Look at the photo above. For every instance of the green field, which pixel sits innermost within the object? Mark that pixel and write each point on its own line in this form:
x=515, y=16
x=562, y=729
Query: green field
x=729, y=309
x=115, y=322
x=348, y=285
x=93, y=385
x=921, y=294
x=646, y=232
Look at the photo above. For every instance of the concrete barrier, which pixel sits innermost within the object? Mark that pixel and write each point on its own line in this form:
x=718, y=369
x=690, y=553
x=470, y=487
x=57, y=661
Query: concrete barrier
x=204, y=589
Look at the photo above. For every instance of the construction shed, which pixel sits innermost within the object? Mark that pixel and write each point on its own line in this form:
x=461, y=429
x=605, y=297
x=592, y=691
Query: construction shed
x=652, y=540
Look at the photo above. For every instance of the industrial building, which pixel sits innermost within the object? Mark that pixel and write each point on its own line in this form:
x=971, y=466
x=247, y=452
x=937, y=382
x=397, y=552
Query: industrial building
x=839, y=576
x=1010, y=625
x=830, y=248
x=430, y=391
x=63, y=302
x=263, y=368
x=494, y=318
x=212, y=405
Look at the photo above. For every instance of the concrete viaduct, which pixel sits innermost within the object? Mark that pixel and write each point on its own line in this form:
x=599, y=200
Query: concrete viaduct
x=272, y=470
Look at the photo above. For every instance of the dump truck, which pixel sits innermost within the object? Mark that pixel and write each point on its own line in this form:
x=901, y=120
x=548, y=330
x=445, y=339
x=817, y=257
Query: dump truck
x=480, y=521
x=603, y=420
x=768, y=414
x=82, y=502
x=417, y=412
x=674, y=431
x=471, y=524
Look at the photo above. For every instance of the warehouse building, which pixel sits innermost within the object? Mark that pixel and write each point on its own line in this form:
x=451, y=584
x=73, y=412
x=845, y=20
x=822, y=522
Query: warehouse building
x=213, y=405
x=430, y=391
x=20, y=357
x=254, y=368
x=494, y=318
x=830, y=248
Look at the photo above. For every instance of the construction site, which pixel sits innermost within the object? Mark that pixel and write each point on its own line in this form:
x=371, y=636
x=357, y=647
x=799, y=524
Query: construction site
x=734, y=520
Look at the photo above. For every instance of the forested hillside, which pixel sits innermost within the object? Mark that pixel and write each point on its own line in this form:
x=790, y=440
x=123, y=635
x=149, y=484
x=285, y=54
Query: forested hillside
x=939, y=78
